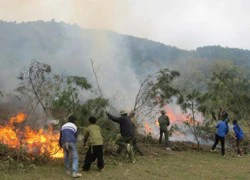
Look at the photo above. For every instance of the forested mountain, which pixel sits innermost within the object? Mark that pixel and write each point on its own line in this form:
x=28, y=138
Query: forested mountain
x=68, y=48
x=120, y=64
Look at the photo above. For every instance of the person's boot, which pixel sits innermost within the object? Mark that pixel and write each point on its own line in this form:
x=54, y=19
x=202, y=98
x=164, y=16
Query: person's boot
x=128, y=148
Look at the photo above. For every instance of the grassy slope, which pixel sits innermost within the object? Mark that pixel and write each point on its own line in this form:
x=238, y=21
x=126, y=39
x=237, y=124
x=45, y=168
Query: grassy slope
x=161, y=165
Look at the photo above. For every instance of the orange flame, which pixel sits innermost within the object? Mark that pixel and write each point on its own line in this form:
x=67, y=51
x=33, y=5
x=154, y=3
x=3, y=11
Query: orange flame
x=147, y=128
x=18, y=119
x=157, y=123
x=175, y=117
x=38, y=142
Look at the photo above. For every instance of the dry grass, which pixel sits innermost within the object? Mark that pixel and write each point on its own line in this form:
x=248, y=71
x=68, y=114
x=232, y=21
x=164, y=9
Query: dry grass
x=158, y=164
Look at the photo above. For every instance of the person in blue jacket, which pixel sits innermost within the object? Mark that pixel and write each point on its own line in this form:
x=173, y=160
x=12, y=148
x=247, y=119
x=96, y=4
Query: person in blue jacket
x=222, y=130
x=67, y=141
x=239, y=135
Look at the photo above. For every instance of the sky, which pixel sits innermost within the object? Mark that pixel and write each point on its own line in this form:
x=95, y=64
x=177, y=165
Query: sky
x=186, y=24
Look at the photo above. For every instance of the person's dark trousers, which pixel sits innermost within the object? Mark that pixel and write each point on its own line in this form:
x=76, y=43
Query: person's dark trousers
x=135, y=147
x=165, y=132
x=93, y=153
x=238, y=142
x=122, y=141
x=161, y=134
x=222, y=141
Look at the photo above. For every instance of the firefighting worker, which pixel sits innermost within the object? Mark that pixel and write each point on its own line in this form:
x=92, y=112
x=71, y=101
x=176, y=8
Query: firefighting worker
x=220, y=114
x=126, y=130
x=67, y=141
x=222, y=130
x=135, y=124
x=239, y=135
x=164, y=123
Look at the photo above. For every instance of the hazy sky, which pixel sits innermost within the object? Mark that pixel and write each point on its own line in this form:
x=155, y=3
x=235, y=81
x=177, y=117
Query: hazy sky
x=186, y=24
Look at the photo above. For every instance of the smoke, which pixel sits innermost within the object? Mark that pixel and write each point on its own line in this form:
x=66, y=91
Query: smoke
x=94, y=14
x=109, y=53
x=181, y=132
x=68, y=50
x=116, y=77
x=184, y=24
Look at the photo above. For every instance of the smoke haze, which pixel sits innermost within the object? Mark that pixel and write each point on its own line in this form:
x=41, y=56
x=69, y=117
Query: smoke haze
x=185, y=24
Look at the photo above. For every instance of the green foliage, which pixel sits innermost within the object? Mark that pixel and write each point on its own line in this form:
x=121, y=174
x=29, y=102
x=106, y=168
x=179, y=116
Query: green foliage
x=162, y=88
x=38, y=85
x=229, y=88
x=78, y=81
x=189, y=103
x=93, y=107
x=66, y=99
x=156, y=89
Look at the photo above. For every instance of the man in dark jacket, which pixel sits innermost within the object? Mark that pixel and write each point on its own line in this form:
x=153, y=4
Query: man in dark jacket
x=67, y=141
x=126, y=130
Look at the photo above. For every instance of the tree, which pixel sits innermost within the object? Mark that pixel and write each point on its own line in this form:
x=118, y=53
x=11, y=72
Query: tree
x=230, y=89
x=37, y=83
x=156, y=89
x=66, y=99
x=94, y=107
x=189, y=102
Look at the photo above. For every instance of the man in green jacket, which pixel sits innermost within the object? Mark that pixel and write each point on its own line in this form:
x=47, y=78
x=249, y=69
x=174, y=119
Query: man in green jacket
x=164, y=123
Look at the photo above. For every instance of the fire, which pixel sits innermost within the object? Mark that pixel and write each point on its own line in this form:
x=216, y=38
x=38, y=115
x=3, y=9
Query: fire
x=157, y=123
x=147, y=128
x=18, y=119
x=34, y=141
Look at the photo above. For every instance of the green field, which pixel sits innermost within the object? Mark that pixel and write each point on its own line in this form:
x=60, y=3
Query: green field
x=155, y=165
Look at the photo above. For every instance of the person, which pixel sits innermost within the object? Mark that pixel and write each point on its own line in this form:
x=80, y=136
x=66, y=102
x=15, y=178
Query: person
x=239, y=135
x=220, y=113
x=222, y=130
x=135, y=124
x=163, y=121
x=94, y=140
x=126, y=130
x=67, y=140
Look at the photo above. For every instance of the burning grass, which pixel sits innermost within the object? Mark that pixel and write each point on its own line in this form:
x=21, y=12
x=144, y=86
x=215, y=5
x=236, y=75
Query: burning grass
x=17, y=136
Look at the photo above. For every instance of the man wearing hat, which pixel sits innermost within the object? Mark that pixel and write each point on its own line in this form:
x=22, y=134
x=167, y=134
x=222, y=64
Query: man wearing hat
x=126, y=130
x=164, y=123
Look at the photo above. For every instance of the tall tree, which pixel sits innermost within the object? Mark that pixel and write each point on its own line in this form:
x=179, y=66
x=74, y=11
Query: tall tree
x=155, y=89
x=66, y=99
x=189, y=102
x=37, y=83
x=230, y=89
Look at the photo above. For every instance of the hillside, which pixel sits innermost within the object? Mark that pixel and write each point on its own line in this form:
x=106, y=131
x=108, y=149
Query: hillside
x=57, y=42
x=122, y=59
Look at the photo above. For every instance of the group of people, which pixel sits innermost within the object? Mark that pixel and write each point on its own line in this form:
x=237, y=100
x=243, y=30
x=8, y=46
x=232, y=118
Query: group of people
x=94, y=141
x=128, y=130
x=222, y=131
